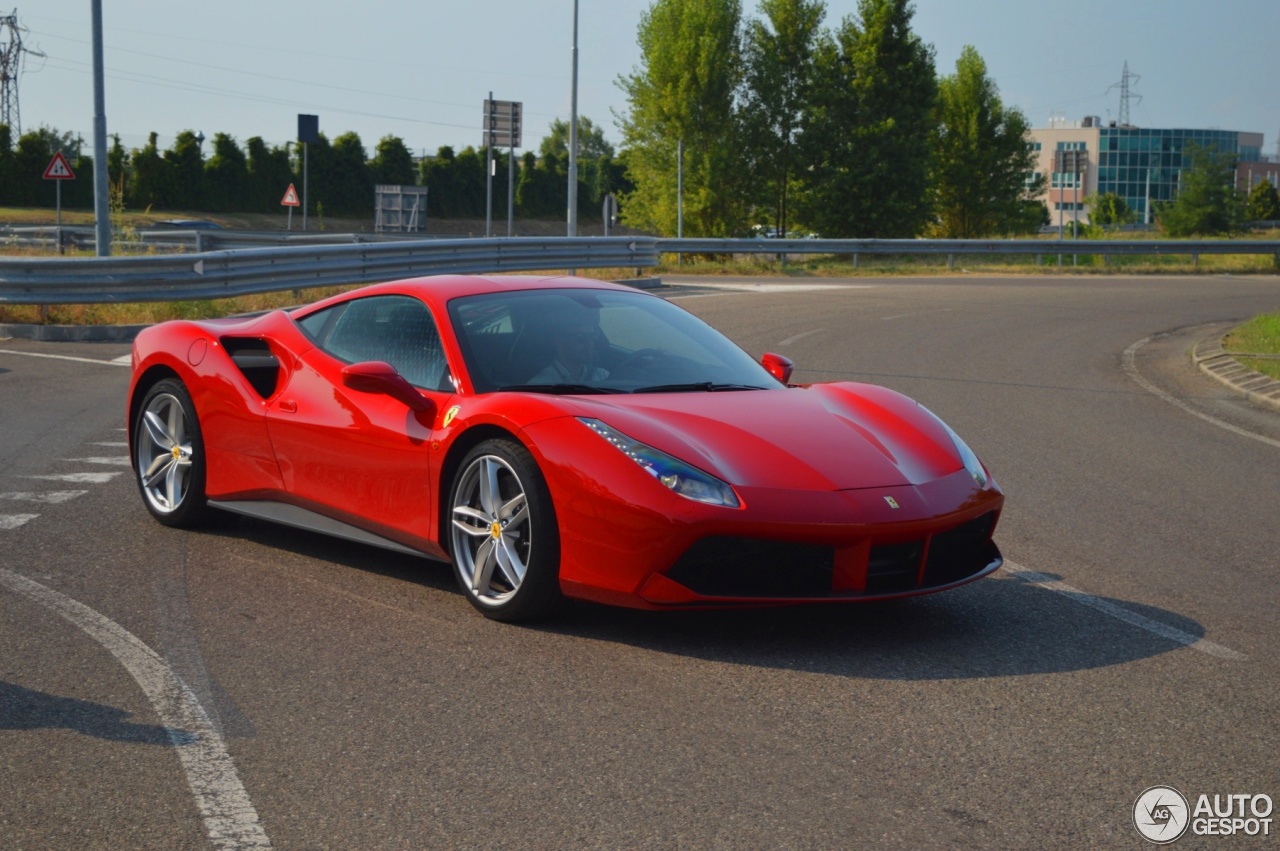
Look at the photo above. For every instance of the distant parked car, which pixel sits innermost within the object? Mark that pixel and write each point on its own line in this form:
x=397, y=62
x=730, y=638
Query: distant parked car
x=188, y=224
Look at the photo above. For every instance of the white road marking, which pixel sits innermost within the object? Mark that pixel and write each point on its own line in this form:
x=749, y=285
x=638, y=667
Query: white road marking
x=48, y=497
x=81, y=478
x=1163, y=630
x=1129, y=361
x=116, y=362
x=118, y=443
x=124, y=360
x=797, y=337
x=229, y=818
x=9, y=522
x=113, y=461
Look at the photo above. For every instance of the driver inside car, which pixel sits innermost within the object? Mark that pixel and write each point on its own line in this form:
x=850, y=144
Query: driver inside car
x=574, y=361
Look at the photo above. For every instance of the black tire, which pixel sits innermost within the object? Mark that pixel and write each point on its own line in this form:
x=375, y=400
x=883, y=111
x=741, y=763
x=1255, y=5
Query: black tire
x=493, y=536
x=168, y=456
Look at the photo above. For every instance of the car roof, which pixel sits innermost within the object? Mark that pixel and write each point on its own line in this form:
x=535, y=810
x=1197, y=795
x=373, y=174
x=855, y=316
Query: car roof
x=439, y=289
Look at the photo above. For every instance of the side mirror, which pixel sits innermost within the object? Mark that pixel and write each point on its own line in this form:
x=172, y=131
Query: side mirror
x=778, y=366
x=375, y=376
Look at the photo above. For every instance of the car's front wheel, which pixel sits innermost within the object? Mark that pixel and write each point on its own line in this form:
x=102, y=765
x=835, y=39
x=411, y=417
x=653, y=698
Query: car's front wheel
x=504, y=540
x=168, y=458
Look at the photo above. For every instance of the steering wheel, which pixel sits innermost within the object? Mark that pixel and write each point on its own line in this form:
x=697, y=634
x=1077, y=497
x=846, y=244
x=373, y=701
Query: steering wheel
x=639, y=361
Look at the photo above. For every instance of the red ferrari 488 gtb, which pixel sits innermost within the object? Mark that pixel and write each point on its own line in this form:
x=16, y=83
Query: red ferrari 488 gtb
x=556, y=437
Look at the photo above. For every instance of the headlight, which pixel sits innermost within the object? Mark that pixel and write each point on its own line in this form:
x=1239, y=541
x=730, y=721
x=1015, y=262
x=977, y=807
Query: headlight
x=689, y=482
x=967, y=457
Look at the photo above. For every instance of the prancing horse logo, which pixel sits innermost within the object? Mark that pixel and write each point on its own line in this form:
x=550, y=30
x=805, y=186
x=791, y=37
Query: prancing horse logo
x=893, y=503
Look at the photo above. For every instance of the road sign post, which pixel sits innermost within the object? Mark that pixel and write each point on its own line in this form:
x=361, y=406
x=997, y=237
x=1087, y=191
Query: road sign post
x=502, y=119
x=290, y=200
x=308, y=133
x=58, y=170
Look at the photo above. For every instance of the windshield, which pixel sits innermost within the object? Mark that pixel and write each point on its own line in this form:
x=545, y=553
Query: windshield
x=595, y=341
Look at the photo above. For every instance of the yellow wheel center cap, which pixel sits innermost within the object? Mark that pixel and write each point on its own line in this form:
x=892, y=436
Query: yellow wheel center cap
x=177, y=454
x=496, y=529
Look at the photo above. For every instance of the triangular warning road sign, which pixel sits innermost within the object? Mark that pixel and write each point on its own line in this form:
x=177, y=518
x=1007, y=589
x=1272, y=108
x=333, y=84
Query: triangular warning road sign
x=291, y=198
x=58, y=169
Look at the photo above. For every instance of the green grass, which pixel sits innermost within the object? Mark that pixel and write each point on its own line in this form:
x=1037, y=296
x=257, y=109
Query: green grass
x=1260, y=336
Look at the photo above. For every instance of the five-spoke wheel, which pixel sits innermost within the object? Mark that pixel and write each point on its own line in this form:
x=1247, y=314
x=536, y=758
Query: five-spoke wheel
x=169, y=455
x=504, y=541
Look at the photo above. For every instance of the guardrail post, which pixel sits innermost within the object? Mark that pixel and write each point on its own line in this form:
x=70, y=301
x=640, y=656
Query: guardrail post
x=199, y=242
x=951, y=261
x=855, y=259
x=1195, y=261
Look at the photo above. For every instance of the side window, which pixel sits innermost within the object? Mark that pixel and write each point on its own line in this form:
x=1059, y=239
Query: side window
x=395, y=329
x=317, y=324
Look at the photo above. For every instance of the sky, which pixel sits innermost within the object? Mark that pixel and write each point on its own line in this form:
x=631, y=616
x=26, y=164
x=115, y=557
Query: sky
x=421, y=70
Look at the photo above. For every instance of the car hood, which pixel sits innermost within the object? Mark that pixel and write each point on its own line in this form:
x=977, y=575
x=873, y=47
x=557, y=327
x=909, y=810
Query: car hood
x=819, y=437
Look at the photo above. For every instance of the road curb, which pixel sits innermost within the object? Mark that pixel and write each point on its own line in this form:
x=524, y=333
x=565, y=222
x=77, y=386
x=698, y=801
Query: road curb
x=1214, y=362
x=72, y=333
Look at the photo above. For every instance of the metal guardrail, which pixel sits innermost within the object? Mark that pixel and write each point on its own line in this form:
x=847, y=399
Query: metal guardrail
x=297, y=265
x=968, y=246
x=143, y=240
x=222, y=274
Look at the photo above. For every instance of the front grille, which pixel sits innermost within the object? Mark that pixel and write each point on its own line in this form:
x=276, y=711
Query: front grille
x=723, y=566
x=894, y=567
x=959, y=553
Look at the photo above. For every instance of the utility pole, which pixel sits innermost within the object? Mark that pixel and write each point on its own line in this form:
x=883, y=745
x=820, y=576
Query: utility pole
x=573, y=133
x=11, y=52
x=101, y=186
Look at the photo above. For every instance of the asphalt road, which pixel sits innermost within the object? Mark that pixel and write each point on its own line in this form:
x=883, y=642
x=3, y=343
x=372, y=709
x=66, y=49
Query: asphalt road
x=356, y=700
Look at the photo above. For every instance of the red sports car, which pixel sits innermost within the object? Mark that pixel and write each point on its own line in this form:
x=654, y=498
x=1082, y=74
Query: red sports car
x=558, y=437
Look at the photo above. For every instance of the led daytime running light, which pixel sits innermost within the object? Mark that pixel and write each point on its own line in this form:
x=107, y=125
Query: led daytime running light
x=672, y=473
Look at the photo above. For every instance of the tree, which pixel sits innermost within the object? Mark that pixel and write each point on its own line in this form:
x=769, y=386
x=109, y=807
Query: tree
x=1264, y=203
x=1108, y=208
x=1207, y=203
x=981, y=157
x=268, y=178
x=592, y=145
x=683, y=91
x=8, y=175
x=866, y=137
x=349, y=182
x=147, y=184
x=778, y=58
x=593, y=149
x=226, y=175
x=392, y=163
x=184, y=189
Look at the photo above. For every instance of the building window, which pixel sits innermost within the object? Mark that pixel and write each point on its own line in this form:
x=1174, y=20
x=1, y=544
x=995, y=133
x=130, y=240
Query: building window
x=1072, y=146
x=1069, y=206
x=1066, y=180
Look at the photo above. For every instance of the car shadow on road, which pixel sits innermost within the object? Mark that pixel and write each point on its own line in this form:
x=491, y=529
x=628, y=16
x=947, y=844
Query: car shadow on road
x=26, y=709
x=993, y=628
x=997, y=627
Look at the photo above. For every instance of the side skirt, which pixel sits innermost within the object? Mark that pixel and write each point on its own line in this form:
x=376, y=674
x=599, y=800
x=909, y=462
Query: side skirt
x=301, y=518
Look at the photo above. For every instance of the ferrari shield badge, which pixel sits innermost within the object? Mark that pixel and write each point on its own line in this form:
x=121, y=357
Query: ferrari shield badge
x=450, y=414
x=893, y=503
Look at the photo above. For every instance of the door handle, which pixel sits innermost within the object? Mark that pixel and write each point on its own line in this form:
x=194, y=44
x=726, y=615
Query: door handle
x=288, y=406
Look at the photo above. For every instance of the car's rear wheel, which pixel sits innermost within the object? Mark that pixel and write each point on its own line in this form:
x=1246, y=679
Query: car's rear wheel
x=168, y=458
x=504, y=540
